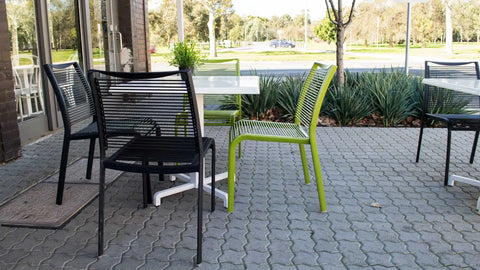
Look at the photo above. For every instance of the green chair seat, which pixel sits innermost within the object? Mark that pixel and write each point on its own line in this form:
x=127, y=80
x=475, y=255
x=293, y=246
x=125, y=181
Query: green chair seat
x=220, y=114
x=269, y=131
x=301, y=132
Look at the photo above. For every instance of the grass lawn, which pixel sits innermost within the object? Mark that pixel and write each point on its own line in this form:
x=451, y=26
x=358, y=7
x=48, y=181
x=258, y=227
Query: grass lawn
x=327, y=52
x=315, y=51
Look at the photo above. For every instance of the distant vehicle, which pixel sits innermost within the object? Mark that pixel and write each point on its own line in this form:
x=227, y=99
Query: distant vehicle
x=281, y=43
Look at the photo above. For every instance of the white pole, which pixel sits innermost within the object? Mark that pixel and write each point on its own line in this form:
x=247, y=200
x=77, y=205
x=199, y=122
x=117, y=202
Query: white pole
x=306, y=25
x=407, y=44
x=181, y=35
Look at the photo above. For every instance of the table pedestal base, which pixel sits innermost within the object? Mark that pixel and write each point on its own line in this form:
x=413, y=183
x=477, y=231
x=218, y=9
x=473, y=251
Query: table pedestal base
x=466, y=180
x=191, y=182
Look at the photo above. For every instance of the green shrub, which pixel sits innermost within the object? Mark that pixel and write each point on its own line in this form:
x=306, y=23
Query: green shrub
x=347, y=105
x=288, y=94
x=391, y=94
x=417, y=96
x=259, y=106
x=186, y=55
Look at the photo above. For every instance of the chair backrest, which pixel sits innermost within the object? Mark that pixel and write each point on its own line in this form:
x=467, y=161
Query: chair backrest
x=145, y=104
x=24, y=59
x=220, y=67
x=73, y=93
x=312, y=95
x=441, y=100
x=26, y=71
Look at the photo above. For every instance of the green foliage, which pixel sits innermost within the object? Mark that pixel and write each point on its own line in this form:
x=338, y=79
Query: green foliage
x=347, y=105
x=326, y=30
x=417, y=96
x=288, y=94
x=448, y=102
x=391, y=94
x=186, y=55
x=259, y=106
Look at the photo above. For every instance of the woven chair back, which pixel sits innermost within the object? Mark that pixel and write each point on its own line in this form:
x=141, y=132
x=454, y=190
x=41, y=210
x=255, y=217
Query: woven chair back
x=446, y=101
x=312, y=95
x=72, y=91
x=155, y=104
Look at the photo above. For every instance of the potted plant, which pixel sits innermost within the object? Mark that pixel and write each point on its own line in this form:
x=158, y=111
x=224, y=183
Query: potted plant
x=186, y=55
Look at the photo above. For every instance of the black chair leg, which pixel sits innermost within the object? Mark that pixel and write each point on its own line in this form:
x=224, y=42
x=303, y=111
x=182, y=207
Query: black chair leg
x=63, y=170
x=147, y=194
x=474, y=147
x=200, y=214
x=149, y=190
x=447, y=161
x=101, y=205
x=91, y=151
x=419, y=146
x=161, y=176
x=212, y=206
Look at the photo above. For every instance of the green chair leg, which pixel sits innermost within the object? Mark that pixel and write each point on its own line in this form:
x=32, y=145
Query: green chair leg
x=318, y=176
x=231, y=175
x=304, y=163
x=239, y=150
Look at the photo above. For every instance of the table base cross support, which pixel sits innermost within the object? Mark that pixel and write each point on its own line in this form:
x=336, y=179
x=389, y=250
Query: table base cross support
x=465, y=180
x=191, y=182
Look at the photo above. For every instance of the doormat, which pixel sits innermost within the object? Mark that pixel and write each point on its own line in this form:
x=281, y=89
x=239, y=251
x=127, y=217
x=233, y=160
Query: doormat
x=36, y=206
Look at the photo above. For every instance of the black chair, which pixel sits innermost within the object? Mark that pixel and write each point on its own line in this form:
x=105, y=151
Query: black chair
x=458, y=111
x=74, y=98
x=137, y=122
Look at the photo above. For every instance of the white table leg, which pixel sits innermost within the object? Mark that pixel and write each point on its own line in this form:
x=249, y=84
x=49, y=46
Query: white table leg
x=191, y=183
x=451, y=182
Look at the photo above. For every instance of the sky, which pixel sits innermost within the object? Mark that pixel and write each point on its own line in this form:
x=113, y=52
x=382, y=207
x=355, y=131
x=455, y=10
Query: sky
x=269, y=8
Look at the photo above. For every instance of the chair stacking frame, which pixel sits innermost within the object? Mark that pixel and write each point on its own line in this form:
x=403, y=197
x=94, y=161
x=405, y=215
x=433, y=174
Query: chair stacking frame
x=458, y=111
x=221, y=110
x=302, y=131
x=74, y=98
x=137, y=122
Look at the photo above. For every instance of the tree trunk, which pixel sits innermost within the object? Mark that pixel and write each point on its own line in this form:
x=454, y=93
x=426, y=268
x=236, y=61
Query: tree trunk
x=449, y=30
x=15, y=50
x=211, y=33
x=340, y=40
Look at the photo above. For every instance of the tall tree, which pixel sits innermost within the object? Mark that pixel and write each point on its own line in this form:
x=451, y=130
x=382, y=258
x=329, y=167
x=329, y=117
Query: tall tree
x=17, y=12
x=448, y=27
x=214, y=7
x=341, y=24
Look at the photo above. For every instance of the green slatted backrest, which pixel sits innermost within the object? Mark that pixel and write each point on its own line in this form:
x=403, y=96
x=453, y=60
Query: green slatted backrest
x=219, y=67
x=313, y=93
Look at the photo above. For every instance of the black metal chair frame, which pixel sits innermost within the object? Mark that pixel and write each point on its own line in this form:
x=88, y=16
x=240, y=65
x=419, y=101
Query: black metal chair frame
x=72, y=115
x=463, y=122
x=149, y=143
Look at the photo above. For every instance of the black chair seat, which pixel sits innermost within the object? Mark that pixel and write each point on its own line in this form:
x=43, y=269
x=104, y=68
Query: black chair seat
x=158, y=150
x=88, y=132
x=458, y=121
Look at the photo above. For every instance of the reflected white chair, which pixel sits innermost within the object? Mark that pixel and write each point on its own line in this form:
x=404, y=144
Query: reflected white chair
x=27, y=85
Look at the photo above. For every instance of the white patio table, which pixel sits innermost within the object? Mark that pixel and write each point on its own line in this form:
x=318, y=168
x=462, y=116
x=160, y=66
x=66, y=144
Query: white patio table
x=211, y=85
x=469, y=86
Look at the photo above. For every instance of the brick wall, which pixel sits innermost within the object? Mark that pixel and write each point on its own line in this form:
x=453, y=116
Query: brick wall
x=9, y=135
x=133, y=24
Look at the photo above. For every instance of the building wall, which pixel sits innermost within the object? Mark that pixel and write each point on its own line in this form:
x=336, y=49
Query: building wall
x=133, y=24
x=9, y=135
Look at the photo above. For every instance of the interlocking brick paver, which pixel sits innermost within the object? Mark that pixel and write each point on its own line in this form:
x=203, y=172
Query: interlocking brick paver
x=276, y=223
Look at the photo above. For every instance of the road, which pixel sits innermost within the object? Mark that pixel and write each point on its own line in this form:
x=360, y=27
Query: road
x=374, y=62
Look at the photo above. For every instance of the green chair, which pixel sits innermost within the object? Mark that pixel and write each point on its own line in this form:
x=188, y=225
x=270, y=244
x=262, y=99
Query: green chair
x=221, y=110
x=302, y=131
